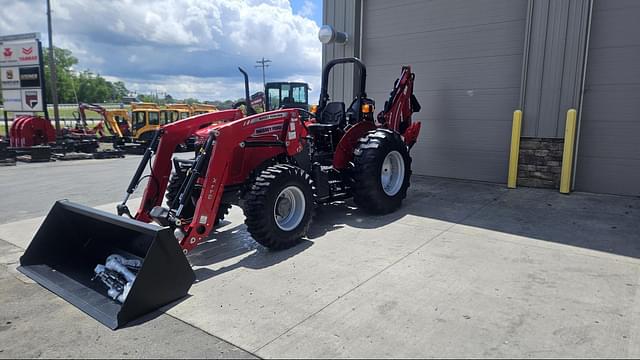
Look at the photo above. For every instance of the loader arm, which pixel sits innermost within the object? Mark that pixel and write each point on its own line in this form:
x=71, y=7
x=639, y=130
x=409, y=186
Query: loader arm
x=232, y=151
x=171, y=136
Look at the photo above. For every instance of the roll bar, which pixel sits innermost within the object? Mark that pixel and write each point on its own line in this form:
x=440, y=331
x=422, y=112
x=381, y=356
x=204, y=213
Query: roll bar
x=324, y=92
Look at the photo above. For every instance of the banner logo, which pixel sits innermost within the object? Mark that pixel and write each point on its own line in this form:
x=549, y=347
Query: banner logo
x=31, y=98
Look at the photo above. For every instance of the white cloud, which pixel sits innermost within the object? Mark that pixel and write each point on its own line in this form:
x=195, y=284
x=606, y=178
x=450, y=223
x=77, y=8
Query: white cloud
x=220, y=88
x=190, y=45
x=308, y=9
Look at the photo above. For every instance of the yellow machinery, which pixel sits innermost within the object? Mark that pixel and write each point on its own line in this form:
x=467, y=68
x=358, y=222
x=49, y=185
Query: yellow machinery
x=197, y=109
x=145, y=119
x=119, y=123
x=116, y=122
x=174, y=112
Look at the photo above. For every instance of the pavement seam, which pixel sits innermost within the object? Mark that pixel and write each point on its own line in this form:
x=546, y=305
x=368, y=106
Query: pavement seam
x=213, y=335
x=376, y=274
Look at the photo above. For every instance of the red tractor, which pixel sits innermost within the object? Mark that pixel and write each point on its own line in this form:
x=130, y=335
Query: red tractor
x=275, y=165
x=278, y=167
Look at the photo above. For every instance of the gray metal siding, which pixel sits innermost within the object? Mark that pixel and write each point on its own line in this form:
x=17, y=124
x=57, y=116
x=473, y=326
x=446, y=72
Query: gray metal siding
x=554, y=68
x=609, y=145
x=343, y=15
x=467, y=56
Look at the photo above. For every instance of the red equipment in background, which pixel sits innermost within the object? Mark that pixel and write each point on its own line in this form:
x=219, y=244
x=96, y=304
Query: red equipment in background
x=28, y=130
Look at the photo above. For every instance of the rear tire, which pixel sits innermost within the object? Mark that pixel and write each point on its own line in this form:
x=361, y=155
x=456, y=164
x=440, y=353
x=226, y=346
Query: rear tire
x=279, y=206
x=175, y=182
x=382, y=172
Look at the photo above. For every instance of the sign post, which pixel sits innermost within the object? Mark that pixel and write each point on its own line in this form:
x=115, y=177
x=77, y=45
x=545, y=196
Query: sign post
x=54, y=76
x=6, y=125
x=22, y=74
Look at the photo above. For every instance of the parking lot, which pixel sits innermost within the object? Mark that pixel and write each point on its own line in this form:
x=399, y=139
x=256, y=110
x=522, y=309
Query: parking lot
x=463, y=269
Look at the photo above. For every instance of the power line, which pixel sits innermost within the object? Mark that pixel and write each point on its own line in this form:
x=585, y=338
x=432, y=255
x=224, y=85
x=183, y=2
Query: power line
x=54, y=76
x=263, y=64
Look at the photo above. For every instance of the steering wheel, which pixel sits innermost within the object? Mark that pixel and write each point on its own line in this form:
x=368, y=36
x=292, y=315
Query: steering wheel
x=248, y=109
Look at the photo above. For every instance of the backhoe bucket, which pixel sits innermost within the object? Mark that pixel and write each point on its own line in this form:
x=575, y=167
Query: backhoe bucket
x=74, y=239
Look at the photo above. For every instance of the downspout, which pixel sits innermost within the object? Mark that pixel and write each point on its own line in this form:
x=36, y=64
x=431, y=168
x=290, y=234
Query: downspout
x=357, y=49
x=581, y=93
x=525, y=55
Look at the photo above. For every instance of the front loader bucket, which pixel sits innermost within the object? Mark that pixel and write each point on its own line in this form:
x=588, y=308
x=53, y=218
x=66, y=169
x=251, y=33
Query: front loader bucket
x=74, y=239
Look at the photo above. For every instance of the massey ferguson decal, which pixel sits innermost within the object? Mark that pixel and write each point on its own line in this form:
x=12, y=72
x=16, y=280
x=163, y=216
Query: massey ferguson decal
x=27, y=51
x=31, y=98
x=268, y=129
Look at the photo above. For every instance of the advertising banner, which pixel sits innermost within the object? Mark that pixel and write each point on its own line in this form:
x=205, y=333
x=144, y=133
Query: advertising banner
x=20, y=54
x=12, y=100
x=21, y=72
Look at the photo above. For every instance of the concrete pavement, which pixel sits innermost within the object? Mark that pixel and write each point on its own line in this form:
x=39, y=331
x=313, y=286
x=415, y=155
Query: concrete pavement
x=464, y=269
x=29, y=190
x=34, y=323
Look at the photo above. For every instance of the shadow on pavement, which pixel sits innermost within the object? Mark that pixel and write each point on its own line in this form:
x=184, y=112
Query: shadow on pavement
x=598, y=222
x=592, y=221
x=237, y=243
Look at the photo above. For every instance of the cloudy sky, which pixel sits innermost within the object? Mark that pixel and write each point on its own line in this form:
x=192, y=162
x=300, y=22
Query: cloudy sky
x=188, y=48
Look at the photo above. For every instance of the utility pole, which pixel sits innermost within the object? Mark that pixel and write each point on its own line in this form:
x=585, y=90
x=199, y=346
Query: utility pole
x=263, y=64
x=54, y=75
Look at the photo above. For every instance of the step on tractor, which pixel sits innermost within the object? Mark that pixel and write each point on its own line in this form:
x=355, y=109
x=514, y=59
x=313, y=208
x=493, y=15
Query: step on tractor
x=274, y=165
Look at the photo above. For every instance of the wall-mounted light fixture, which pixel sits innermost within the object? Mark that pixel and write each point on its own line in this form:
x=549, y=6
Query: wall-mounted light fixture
x=328, y=35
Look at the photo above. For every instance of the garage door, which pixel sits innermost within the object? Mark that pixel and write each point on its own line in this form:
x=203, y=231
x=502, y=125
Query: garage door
x=467, y=56
x=609, y=145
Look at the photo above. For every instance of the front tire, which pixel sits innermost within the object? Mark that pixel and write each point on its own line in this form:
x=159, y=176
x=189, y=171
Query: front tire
x=279, y=206
x=382, y=172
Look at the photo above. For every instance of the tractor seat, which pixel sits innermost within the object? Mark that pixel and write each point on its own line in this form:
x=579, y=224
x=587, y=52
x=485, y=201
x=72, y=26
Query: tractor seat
x=333, y=114
x=331, y=119
x=318, y=129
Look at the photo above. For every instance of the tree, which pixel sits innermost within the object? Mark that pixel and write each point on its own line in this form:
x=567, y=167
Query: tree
x=64, y=62
x=146, y=98
x=120, y=90
x=84, y=86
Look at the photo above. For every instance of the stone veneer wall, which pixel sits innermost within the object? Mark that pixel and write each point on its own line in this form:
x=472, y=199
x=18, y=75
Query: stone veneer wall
x=540, y=162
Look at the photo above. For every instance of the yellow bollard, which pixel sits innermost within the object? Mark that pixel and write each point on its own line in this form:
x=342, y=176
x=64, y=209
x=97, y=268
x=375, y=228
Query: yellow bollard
x=567, y=152
x=515, y=149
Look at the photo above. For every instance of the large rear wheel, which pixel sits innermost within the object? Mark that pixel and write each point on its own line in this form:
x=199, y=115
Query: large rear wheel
x=279, y=206
x=382, y=171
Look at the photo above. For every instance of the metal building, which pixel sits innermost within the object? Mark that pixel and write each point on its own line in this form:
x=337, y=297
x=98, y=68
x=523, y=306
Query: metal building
x=476, y=61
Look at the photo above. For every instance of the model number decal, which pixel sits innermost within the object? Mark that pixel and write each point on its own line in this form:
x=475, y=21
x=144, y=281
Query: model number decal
x=265, y=118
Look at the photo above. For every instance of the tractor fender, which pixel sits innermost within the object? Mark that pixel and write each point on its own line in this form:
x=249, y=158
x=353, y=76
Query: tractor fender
x=344, y=150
